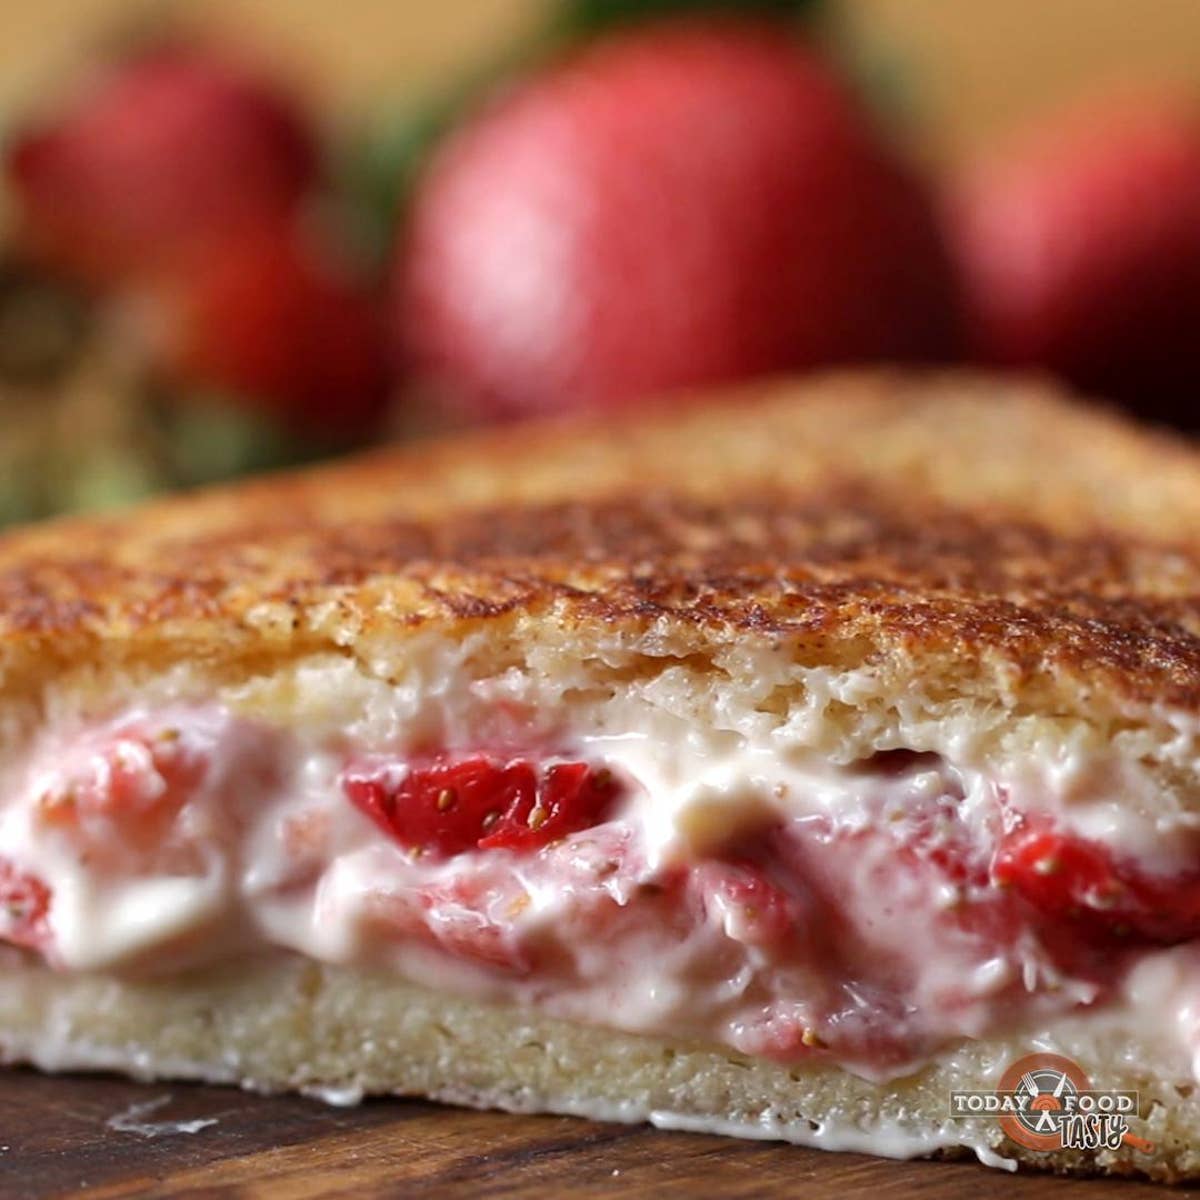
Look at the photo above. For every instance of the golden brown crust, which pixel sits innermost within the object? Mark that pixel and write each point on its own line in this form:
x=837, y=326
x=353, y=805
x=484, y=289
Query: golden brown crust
x=898, y=516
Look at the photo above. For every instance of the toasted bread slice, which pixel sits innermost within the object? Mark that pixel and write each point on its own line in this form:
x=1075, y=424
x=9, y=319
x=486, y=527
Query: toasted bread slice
x=776, y=766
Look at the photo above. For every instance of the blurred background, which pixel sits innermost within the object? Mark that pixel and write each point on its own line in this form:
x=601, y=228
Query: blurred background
x=237, y=234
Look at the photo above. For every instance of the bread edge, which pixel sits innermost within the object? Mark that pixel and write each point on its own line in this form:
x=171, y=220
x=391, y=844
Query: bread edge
x=292, y=1024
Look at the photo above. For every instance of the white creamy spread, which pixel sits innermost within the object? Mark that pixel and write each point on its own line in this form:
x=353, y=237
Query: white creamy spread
x=268, y=852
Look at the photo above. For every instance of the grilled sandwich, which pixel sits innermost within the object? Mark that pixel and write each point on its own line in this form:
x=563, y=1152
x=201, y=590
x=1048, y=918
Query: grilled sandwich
x=784, y=766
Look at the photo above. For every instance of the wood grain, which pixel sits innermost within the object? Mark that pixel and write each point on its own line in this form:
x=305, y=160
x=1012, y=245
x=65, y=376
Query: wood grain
x=56, y=1140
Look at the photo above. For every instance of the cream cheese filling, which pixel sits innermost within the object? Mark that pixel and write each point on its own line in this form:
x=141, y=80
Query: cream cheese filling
x=269, y=854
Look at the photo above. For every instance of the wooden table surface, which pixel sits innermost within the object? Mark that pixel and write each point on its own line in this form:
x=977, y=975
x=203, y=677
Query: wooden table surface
x=107, y=1138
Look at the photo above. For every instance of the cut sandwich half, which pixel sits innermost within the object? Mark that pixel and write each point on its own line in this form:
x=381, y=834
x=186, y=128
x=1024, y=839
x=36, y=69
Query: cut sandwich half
x=779, y=767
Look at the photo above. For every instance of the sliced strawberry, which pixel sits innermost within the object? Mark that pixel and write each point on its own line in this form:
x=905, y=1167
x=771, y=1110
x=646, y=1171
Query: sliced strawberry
x=749, y=906
x=24, y=908
x=451, y=806
x=937, y=841
x=857, y=1023
x=469, y=917
x=1070, y=877
x=570, y=797
x=124, y=788
x=462, y=922
x=445, y=808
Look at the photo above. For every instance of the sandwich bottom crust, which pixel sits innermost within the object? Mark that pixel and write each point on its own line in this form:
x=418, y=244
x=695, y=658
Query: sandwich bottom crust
x=291, y=1024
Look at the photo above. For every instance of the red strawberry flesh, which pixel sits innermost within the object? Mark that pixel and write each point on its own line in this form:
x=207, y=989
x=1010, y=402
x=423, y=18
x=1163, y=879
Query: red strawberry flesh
x=24, y=908
x=1084, y=882
x=752, y=908
x=141, y=777
x=448, y=807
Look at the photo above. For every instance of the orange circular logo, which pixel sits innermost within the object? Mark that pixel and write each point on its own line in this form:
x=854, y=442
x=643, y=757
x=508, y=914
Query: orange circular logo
x=1051, y=1081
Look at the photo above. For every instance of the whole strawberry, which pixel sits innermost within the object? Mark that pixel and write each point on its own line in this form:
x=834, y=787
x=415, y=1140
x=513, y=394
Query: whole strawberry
x=157, y=152
x=679, y=203
x=1080, y=252
x=275, y=316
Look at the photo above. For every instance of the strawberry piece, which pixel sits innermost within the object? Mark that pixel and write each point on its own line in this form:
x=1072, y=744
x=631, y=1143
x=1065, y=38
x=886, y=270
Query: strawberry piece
x=1079, y=248
x=470, y=917
x=445, y=808
x=679, y=203
x=281, y=320
x=750, y=907
x=129, y=785
x=1074, y=879
x=937, y=842
x=569, y=797
x=448, y=807
x=476, y=914
x=24, y=908
x=859, y=1023
x=156, y=154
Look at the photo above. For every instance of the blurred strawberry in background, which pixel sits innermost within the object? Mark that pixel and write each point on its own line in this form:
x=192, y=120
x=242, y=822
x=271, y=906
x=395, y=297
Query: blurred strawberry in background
x=675, y=204
x=1080, y=251
x=278, y=318
x=172, y=146
x=201, y=278
x=178, y=194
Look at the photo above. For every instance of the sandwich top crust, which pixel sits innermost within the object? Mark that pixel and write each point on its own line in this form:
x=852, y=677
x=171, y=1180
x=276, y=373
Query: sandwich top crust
x=1011, y=541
